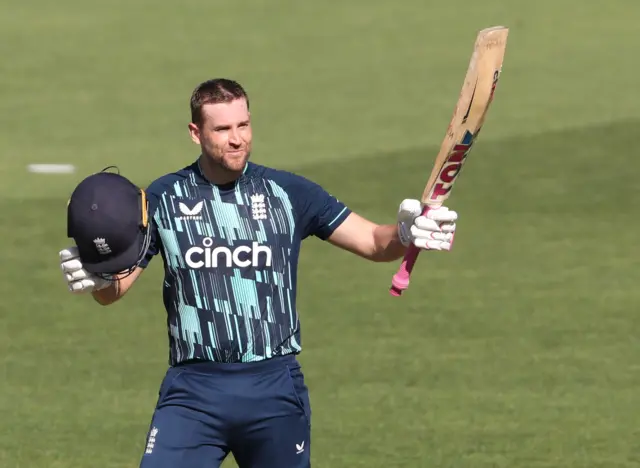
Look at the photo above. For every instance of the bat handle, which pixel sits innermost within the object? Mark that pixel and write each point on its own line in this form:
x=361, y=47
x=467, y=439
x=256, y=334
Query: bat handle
x=400, y=280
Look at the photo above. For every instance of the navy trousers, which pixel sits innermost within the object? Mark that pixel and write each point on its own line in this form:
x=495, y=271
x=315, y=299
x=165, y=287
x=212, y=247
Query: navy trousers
x=259, y=412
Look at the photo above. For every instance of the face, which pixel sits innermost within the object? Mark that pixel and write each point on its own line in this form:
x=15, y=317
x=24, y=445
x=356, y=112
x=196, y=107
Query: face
x=225, y=134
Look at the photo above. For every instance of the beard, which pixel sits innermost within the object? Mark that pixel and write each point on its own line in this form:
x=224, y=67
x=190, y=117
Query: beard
x=235, y=161
x=226, y=158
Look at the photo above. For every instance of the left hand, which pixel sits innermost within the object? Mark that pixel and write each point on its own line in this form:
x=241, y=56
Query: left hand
x=435, y=231
x=77, y=278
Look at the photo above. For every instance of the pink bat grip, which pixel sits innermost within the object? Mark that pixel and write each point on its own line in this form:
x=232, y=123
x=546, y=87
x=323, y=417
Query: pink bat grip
x=400, y=280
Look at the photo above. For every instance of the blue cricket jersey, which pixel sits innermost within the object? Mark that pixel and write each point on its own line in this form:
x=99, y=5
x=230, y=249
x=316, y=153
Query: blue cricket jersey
x=230, y=256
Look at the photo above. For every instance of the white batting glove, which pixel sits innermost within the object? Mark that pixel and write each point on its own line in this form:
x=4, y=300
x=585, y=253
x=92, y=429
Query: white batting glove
x=434, y=231
x=78, y=279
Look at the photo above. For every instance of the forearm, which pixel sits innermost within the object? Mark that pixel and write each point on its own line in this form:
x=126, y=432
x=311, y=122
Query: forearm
x=375, y=242
x=387, y=245
x=381, y=242
x=108, y=295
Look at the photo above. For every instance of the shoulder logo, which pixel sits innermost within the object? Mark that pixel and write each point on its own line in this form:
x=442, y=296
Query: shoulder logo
x=190, y=213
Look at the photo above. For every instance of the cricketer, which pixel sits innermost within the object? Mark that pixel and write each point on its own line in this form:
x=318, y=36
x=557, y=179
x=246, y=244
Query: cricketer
x=229, y=232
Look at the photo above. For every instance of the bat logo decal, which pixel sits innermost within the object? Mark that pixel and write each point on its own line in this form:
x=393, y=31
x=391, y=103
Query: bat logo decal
x=451, y=168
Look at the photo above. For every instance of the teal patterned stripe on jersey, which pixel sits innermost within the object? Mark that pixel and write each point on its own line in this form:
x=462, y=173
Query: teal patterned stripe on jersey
x=222, y=311
x=229, y=338
x=285, y=219
x=229, y=218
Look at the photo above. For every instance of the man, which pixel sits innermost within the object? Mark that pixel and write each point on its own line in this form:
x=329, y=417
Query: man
x=229, y=232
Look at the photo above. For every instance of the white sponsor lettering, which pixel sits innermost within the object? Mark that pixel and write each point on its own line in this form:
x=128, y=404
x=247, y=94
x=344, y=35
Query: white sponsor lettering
x=242, y=256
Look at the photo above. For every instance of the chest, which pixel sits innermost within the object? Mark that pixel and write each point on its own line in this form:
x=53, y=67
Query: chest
x=252, y=228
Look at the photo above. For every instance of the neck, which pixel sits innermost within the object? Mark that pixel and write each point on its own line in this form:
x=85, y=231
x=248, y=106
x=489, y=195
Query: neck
x=217, y=174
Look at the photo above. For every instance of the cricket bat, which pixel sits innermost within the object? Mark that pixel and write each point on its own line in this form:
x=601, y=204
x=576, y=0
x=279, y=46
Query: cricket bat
x=469, y=114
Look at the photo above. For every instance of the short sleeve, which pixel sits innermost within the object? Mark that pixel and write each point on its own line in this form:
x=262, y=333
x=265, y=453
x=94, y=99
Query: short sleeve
x=319, y=213
x=153, y=199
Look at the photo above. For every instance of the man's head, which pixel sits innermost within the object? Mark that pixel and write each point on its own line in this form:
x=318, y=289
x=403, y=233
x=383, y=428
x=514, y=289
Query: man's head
x=220, y=123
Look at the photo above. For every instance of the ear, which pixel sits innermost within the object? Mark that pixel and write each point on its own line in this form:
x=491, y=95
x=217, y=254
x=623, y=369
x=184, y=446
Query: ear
x=194, y=132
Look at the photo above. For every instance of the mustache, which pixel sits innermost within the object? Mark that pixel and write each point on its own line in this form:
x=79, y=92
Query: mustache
x=243, y=147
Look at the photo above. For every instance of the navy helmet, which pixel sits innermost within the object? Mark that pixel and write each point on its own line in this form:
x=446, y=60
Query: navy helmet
x=107, y=216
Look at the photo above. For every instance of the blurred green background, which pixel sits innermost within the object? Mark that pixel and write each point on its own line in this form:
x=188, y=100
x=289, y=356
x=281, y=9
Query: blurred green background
x=517, y=349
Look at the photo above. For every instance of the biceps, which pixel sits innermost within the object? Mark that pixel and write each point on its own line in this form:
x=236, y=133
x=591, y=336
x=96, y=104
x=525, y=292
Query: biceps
x=356, y=235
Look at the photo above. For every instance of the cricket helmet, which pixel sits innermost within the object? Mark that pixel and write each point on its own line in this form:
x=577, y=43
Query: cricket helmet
x=107, y=216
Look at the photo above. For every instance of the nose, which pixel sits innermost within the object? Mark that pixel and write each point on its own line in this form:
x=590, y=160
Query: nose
x=234, y=138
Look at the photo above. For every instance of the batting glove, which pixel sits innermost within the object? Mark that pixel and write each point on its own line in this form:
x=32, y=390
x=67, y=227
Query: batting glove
x=78, y=279
x=435, y=231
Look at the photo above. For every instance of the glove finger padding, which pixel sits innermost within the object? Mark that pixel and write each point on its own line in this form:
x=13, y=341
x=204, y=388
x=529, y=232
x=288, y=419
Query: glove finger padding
x=430, y=235
x=428, y=244
x=71, y=265
x=441, y=221
x=442, y=214
x=89, y=283
x=448, y=227
x=77, y=275
x=425, y=224
x=69, y=254
x=82, y=285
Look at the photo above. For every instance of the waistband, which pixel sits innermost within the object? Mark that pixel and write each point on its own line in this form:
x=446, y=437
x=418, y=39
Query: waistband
x=212, y=367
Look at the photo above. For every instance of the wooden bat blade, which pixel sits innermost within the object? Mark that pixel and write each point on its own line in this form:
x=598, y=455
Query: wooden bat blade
x=468, y=118
x=469, y=115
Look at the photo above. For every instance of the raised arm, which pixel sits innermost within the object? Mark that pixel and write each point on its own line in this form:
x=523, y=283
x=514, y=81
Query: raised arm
x=375, y=242
x=322, y=215
x=388, y=242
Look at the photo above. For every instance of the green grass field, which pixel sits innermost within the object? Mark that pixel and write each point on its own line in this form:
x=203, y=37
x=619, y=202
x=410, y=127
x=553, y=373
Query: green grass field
x=518, y=349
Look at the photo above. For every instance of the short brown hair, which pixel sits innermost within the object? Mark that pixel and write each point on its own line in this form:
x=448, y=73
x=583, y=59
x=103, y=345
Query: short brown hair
x=214, y=91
